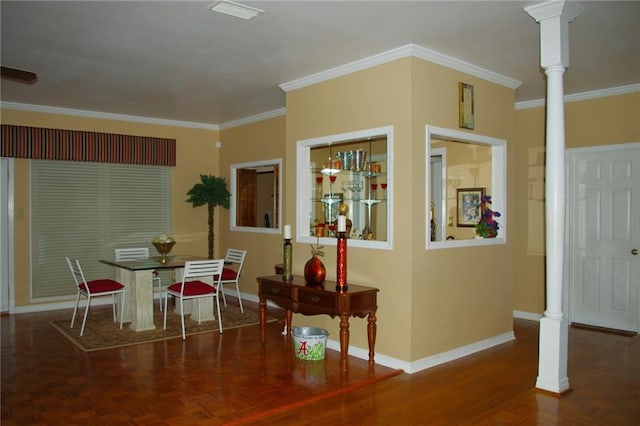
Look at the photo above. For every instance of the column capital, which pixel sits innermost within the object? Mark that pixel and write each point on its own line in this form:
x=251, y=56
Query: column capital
x=554, y=17
x=568, y=10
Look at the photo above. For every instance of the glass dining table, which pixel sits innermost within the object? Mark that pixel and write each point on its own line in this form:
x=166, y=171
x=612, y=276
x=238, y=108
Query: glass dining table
x=137, y=278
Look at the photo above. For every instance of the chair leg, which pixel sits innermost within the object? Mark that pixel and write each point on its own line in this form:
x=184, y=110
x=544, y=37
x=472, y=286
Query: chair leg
x=113, y=297
x=86, y=312
x=159, y=282
x=166, y=297
x=184, y=336
x=239, y=298
x=221, y=290
x=219, y=315
x=75, y=310
x=122, y=309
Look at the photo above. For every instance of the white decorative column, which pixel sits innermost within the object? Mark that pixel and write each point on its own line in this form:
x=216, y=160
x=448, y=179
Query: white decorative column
x=554, y=18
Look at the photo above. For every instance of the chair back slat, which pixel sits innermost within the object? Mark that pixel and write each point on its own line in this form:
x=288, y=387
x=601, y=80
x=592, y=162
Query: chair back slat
x=236, y=256
x=132, y=253
x=202, y=268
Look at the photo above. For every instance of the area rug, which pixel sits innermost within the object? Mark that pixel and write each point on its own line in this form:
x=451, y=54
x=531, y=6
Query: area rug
x=101, y=332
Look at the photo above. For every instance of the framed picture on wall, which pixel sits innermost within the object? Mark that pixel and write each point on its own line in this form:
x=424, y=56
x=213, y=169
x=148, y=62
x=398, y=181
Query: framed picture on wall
x=467, y=112
x=469, y=200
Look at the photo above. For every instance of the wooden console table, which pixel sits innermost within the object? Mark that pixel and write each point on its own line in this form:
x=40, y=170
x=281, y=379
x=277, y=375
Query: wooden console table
x=296, y=296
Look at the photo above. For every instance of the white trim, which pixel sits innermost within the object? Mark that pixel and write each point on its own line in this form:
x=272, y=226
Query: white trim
x=106, y=116
x=583, y=96
x=600, y=148
x=399, y=53
x=303, y=189
x=254, y=118
x=498, y=183
x=233, y=201
x=430, y=361
x=531, y=316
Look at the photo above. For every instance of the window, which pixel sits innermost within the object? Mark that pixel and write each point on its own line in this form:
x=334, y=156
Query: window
x=455, y=161
x=350, y=174
x=256, y=198
x=85, y=210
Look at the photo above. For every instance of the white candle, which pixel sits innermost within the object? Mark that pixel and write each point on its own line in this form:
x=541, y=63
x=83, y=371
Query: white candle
x=287, y=232
x=342, y=223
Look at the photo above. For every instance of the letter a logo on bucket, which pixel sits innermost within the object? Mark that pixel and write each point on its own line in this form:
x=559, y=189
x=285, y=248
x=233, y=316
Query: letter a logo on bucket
x=303, y=347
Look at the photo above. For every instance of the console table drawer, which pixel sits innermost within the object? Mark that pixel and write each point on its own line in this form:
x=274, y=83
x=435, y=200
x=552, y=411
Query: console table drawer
x=271, y=289
x=310, y=297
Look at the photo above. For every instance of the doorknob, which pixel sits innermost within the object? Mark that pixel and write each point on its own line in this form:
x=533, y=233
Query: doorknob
x=634, y=252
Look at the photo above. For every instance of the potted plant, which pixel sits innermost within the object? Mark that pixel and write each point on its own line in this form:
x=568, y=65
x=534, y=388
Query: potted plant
x=487, y=227
x=211, y=191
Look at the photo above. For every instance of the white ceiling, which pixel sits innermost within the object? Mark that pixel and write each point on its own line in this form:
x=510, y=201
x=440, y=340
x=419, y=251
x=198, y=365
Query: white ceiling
x=177, y=60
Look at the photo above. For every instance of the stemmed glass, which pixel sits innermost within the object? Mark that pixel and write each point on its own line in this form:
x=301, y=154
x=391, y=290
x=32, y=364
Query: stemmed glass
x=332, y=228
x=374, y=187
x=319, y=187
x=384, y=187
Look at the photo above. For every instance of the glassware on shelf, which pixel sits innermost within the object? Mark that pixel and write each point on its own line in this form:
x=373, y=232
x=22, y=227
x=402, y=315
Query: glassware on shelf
x=319, y=180
x=332, y=178
x=384, y=186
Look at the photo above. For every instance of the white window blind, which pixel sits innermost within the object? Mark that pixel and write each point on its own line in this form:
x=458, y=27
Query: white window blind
x=86, y=210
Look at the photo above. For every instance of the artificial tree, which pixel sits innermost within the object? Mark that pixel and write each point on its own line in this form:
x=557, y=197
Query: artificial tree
x=211, y=191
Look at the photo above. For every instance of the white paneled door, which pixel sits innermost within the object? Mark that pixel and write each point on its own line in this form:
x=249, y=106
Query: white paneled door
x=604, y=237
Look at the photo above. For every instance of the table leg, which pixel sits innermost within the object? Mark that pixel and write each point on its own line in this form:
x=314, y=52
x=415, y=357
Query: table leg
x=262, y=313
x=371, y=335
x=139, y=298
x=344, y=341
x=287, y=321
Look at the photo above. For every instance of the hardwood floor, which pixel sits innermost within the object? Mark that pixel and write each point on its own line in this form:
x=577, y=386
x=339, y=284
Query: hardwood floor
x=232, y=379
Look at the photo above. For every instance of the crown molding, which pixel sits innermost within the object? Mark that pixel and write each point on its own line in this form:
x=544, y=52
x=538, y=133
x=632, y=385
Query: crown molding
x=583, y=96
x=106, y=116
x=399, y=53
x=254, y=118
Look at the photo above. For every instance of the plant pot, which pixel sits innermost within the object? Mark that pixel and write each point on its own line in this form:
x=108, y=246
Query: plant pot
x=314, y=271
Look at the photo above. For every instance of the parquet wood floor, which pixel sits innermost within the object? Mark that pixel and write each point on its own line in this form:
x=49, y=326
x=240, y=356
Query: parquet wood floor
x=232, y=379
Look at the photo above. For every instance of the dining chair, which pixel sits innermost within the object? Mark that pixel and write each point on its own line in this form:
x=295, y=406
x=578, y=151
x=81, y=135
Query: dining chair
x=193, y=288
x=94, y=288
x=125, y=254
x=230, y=275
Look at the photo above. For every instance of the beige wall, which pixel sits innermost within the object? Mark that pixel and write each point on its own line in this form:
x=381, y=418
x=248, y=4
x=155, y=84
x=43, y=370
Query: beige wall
x=429, y=302
x=461, y=295
x=603, y=121
x=195, y=155
x=260, y=141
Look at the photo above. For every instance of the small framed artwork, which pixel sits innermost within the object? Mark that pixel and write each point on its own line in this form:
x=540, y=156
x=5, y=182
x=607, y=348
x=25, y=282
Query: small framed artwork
x=467, y=111
x=469, y=200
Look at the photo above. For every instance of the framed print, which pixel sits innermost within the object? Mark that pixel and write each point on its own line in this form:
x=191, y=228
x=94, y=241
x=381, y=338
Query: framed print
x=469, y=200
x=467, y=111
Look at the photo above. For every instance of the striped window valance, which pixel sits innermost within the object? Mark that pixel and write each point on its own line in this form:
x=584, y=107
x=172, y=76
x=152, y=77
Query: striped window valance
x=72, y=145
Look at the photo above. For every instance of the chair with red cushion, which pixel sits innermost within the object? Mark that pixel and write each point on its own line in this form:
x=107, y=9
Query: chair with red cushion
x=234, y=261
x=94, y=288
x=191, y=287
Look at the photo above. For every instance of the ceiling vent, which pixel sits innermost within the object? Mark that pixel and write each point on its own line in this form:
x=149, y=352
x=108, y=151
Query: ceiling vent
x=236, y=9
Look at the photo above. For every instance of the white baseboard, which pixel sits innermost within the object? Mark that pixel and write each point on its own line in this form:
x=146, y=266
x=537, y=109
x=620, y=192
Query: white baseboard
x=532, y=316
x=381, y=359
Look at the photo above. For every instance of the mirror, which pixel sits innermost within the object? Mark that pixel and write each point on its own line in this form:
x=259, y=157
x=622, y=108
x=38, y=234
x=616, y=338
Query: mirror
x=462, y=166
x=349, y=174
x=256, y=196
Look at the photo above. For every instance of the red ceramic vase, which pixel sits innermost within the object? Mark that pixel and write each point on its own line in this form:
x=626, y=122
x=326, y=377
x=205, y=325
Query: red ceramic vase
x=314, y=271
